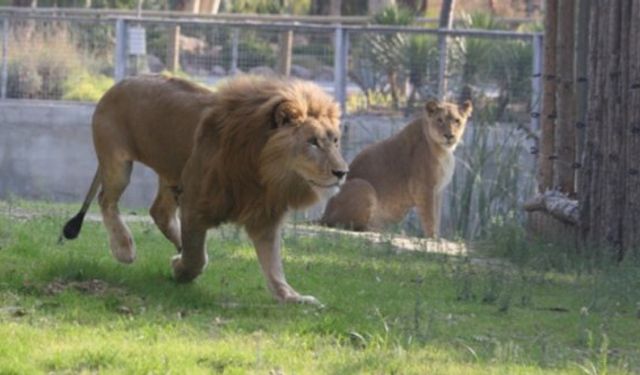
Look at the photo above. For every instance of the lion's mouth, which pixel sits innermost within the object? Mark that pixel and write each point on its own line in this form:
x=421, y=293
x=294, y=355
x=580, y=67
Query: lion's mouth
x=317, y=184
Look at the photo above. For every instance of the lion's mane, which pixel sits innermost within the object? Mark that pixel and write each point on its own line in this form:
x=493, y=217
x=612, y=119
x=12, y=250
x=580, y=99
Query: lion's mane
x=244, y=153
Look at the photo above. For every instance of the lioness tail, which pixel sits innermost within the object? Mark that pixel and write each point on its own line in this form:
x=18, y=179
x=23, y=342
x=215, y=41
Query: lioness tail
x=72, y=227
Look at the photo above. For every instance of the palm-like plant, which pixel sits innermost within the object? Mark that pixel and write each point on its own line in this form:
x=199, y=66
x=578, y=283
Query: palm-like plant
x=421, y=50
x=386, y=52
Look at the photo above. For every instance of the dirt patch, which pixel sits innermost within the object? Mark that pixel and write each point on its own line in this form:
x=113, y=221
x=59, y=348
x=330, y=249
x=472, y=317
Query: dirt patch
x=92, y=287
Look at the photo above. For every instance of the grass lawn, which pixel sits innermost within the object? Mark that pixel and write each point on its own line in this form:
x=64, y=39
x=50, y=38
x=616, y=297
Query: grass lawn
x=72, y=309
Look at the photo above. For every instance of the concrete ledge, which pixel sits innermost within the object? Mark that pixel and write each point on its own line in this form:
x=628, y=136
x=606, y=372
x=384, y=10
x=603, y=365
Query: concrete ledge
x=46, y=152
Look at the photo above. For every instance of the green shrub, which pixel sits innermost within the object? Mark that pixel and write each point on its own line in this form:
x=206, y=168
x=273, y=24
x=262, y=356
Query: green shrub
x=23, y=80
x=86, y=87
x=42, y=58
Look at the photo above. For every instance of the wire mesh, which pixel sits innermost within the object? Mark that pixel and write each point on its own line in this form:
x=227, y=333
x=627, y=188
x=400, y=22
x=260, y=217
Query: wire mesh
x=389, y=76
x=49, y=59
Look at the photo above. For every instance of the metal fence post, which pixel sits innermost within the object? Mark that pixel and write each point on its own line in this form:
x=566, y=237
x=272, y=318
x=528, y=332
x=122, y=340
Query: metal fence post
x=536, y=82
x=442, y=64
x=235, y=40
x=5, y=58
x=120, y=64
x=340, y=56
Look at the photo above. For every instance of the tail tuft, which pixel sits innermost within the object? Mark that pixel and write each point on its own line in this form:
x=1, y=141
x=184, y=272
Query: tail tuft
x=72, y=227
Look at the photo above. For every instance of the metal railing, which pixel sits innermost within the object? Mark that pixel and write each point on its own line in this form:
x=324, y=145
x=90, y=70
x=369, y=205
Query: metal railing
x=379, y=74
x=340, y=43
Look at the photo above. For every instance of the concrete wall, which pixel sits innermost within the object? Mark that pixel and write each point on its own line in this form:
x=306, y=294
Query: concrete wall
x=46, y=152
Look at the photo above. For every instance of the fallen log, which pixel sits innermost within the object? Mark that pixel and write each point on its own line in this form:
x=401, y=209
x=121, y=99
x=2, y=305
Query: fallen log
x=555, y=204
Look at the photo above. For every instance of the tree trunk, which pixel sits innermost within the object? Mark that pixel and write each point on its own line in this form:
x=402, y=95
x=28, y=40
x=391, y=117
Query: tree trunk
x=564, y=166
x=610, y=191
x=545, y=153
x=446, y=22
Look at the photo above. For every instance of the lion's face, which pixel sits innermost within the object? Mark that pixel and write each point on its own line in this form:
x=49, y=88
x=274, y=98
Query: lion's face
x=445, y=122
x=310, y=143
x=318, y=160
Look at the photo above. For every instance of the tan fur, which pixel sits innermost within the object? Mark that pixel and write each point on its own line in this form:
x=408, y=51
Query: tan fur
x=410, y=169
x=247, y=154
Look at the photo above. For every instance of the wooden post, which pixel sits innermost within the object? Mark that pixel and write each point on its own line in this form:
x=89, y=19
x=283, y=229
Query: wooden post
x=545, y=152
x=581, y=56
x=286, y=45
x=173, y=48
x=565, y=134
x=536, y=82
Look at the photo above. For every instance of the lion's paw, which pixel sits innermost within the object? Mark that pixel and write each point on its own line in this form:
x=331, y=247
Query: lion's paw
x=181, y=273
x=286, y=294
x=307, y=300
x=124, y=250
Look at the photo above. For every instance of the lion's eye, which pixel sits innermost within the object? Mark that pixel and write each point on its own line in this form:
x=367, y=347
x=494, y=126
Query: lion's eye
x=313, y=142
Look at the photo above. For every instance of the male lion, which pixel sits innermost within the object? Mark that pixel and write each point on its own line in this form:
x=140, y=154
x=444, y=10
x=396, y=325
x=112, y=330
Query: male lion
x=409, y=169
x=247, y=154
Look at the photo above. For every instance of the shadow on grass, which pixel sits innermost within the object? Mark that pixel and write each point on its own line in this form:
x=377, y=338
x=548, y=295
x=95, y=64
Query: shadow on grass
x=349, y=276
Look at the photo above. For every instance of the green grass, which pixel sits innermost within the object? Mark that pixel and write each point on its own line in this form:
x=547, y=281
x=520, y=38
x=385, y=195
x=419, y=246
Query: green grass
x=385, y=313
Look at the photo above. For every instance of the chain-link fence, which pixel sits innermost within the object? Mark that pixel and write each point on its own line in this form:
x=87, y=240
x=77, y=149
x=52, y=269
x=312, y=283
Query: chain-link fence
x=381, y=75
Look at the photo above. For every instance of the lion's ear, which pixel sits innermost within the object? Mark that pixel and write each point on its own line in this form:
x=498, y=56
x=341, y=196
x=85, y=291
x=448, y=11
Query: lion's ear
x=465, y=108
x=432, y=106
x=287, y=113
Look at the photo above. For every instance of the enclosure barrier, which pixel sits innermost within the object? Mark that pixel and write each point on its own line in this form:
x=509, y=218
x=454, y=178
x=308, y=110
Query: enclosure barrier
x=379, y=74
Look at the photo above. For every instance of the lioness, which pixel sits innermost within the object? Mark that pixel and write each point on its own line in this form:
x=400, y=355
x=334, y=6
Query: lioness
x=247, y=154
x=409, y=169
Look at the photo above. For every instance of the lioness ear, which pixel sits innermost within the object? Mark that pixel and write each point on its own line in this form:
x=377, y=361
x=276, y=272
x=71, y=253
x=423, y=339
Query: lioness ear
x=287, y=113
x=465, y=108
x=432, y=106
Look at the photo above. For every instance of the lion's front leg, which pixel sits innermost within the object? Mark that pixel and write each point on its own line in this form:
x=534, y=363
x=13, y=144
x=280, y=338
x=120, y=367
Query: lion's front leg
x=428, y=211
x=267, y=243
x=193, y=258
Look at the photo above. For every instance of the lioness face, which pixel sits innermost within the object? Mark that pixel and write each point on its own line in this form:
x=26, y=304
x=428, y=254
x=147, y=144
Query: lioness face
x=445, y=122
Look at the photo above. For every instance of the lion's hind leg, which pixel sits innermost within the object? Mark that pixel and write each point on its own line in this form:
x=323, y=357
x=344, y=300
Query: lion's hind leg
x=115, y=175
x=164, y=212
x=353, y=207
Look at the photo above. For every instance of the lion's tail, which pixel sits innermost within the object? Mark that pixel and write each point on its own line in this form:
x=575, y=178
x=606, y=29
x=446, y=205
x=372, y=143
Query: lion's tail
x=72, y=227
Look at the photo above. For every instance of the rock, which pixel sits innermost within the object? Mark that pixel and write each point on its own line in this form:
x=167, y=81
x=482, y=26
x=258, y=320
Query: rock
x=155, y=64
x=323, y=73
x=218, y=70
x=262, y=71
x=301, y=72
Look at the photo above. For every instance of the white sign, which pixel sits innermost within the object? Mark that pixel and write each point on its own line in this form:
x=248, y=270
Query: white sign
x=137, y=41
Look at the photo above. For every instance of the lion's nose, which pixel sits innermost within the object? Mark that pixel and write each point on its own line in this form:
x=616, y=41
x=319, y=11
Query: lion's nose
x=338, y=173
x=448, y=136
